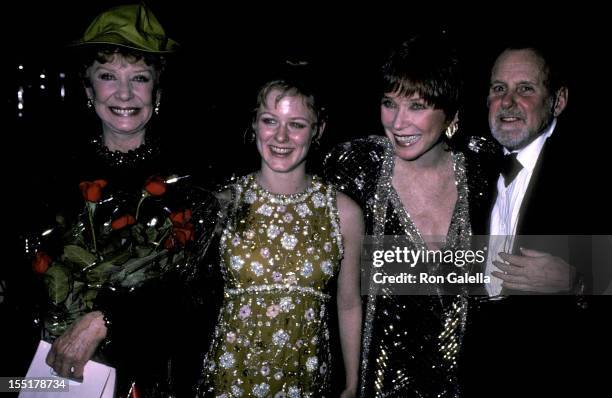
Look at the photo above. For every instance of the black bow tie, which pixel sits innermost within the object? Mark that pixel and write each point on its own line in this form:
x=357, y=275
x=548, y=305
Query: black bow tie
x=510, y=168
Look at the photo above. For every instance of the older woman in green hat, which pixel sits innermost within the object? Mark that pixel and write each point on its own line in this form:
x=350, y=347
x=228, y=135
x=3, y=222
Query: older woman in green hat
x=123, y=53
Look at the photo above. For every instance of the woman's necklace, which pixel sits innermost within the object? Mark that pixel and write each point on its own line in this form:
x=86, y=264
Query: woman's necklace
x=145, y=152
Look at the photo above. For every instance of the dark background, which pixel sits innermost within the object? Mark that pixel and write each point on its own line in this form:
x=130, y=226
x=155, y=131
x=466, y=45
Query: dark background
x=210, y=87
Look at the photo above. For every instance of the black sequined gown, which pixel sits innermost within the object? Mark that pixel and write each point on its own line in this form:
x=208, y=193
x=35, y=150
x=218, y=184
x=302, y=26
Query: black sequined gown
x=411, y=344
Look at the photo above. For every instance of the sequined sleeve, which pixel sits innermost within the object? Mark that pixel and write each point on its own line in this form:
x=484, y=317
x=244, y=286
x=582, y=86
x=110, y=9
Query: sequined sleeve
x=481, y=156
x=354, y=167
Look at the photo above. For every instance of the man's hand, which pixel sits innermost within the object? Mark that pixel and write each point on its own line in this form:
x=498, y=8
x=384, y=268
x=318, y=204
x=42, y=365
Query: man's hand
x=71, y=351
x=534, y=271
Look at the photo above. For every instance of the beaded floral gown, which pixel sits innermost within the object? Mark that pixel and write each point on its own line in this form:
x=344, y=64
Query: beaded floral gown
x=279, y=257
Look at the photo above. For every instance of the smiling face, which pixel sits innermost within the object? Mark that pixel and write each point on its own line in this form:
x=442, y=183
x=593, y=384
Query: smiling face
x=412, y=126
x=122, y=94
x=520, y=105
x=284, y=127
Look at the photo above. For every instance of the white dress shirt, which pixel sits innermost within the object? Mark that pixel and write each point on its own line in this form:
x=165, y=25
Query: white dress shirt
x=505, y=214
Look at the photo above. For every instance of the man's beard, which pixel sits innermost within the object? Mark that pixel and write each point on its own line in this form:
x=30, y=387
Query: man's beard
x=518, y=138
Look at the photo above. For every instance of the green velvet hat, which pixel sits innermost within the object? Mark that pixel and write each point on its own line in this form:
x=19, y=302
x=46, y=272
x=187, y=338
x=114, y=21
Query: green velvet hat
x=131, y=26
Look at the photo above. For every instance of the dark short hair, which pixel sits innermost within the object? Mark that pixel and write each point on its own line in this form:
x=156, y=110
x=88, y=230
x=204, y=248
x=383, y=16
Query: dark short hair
x=296, y=80
x=427, y=65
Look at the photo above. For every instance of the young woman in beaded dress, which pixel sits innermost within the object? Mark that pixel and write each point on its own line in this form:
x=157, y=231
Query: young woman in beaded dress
x=412, y=183
x=288, y=239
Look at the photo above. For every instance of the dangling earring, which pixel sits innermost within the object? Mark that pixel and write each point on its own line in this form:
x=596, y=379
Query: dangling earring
x=451, y=129
x=316, y=140
x=156, y=109
x=90, y=103
x=249, y=135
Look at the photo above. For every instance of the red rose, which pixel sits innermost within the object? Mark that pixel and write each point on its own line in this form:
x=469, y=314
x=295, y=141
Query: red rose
x=123, y=221
x=92, y=191
x=183, y=234
x=41, y=262
x=169, y=243
x=155, y=186
x=180, y=217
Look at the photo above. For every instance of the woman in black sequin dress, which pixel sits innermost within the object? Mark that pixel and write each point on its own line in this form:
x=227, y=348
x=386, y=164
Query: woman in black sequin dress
x=412, y=182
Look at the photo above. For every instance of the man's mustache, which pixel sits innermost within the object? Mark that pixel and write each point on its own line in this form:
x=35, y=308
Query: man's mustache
x=504, y=114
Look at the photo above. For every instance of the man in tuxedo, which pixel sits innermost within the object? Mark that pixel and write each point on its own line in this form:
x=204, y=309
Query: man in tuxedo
x=525, y=99
x=531, y=338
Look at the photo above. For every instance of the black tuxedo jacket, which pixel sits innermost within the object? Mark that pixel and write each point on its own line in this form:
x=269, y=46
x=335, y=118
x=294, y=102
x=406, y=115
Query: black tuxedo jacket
x=557, y=201
x=513, y=344
x=559, y=209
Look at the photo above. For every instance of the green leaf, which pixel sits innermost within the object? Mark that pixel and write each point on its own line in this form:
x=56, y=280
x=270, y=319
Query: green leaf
x=125, y=278
x=135, y=279
x=89, y=297
x=58, y=282
x=77, y=287
x=78, y=255
x=167, y=223
x=100, y=273
x=120, y=257
x=143, y=251
x=137, y=234
x=74, y=302
x=152, y=234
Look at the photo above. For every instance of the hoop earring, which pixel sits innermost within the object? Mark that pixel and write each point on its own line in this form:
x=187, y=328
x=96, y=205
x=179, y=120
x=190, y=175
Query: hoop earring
x=451, y=130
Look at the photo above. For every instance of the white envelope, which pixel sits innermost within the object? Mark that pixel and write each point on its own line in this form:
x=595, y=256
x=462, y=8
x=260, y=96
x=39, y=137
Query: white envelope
x=98, y=379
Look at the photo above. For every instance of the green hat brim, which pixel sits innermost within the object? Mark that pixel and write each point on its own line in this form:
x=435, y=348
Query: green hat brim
x=113, y=39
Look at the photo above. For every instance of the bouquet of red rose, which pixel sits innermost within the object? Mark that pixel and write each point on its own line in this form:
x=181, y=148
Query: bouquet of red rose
x=108, y=245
